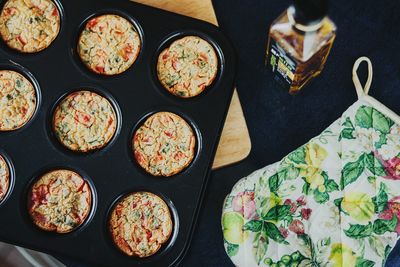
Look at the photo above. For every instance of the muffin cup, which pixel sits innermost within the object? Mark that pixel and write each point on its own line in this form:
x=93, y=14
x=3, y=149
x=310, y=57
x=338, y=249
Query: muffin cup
x=166, y=245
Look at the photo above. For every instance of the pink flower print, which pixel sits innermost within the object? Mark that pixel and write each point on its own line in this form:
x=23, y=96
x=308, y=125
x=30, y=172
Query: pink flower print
x=392, y=209
x=301, y=201
x=386, y=214
x=250, y=210
x=297, y=227
x=306, y=213
x=284, y=232
x=237, y=203
x=244, y=203
x=292, y=204
x=392, y=167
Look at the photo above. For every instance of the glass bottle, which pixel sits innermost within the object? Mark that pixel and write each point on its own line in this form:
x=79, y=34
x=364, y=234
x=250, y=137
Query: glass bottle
x=299, y=43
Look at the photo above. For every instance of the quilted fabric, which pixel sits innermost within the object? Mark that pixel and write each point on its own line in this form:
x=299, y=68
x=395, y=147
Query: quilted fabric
x=333, y=202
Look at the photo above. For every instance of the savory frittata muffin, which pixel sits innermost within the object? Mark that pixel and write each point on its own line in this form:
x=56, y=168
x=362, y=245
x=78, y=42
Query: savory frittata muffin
x=109, y=44
x=140, y=223
x=84, y=121
x=59, y=201
x=187, y=66
x=4, y=178
x=29, y=25
x=17, y=100
x=164, y=145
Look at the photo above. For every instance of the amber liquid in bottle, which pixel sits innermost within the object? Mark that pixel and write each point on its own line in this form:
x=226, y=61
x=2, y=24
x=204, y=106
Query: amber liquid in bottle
x=297, y=53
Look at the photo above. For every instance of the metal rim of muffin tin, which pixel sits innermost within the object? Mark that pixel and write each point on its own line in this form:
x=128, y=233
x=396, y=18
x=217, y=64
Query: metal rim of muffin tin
x=19, y=54
x=54, y=167
x=92, y=85
x=13, y=66
x=187, y=119
x=166, y=42
x=11, y=176
x=75, y=42
x=166, y=245
x=84, y=87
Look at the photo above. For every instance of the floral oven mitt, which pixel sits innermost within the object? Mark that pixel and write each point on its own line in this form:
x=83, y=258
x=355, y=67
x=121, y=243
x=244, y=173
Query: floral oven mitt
x=332, y=202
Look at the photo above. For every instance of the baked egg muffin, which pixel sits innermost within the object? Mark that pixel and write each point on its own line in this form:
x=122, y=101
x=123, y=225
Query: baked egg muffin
x=4, y=178
x=164, y=145
x=59, y=201
x=140, y=223
x=187, y=66
x=29, y=25
x=109, y=44
x=84, y=121
x=17, y=100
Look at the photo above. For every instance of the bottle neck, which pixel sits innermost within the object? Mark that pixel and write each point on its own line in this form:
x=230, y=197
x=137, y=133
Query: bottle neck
x=313, y=26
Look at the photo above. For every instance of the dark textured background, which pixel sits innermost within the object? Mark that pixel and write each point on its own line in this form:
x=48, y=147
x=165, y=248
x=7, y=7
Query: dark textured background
x=279, y=123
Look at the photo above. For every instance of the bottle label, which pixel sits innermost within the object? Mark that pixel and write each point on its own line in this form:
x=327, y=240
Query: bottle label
x=282, y=65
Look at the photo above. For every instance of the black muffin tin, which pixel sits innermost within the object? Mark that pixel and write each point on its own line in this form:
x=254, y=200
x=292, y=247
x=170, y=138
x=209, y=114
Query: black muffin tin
x=112, y=171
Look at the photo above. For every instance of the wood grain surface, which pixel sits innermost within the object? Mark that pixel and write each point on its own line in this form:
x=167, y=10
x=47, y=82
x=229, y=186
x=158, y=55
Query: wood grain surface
x=235, y=144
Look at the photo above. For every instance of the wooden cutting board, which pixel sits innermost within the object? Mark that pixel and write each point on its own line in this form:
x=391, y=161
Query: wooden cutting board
x=235, y=144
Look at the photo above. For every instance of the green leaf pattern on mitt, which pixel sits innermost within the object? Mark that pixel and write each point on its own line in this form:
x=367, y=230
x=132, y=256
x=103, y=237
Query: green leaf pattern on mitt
x=334, y=201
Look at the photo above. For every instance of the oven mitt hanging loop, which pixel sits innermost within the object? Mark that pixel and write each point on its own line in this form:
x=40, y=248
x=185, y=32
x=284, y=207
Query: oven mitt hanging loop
x=362, y=91
x=334, y=201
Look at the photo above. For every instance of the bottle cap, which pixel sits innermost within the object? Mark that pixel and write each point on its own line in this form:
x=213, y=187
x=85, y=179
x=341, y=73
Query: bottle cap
x=310, y=11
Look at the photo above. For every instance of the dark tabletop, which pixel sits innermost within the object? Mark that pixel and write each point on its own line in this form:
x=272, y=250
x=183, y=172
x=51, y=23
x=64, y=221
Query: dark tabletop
x=278, y=122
